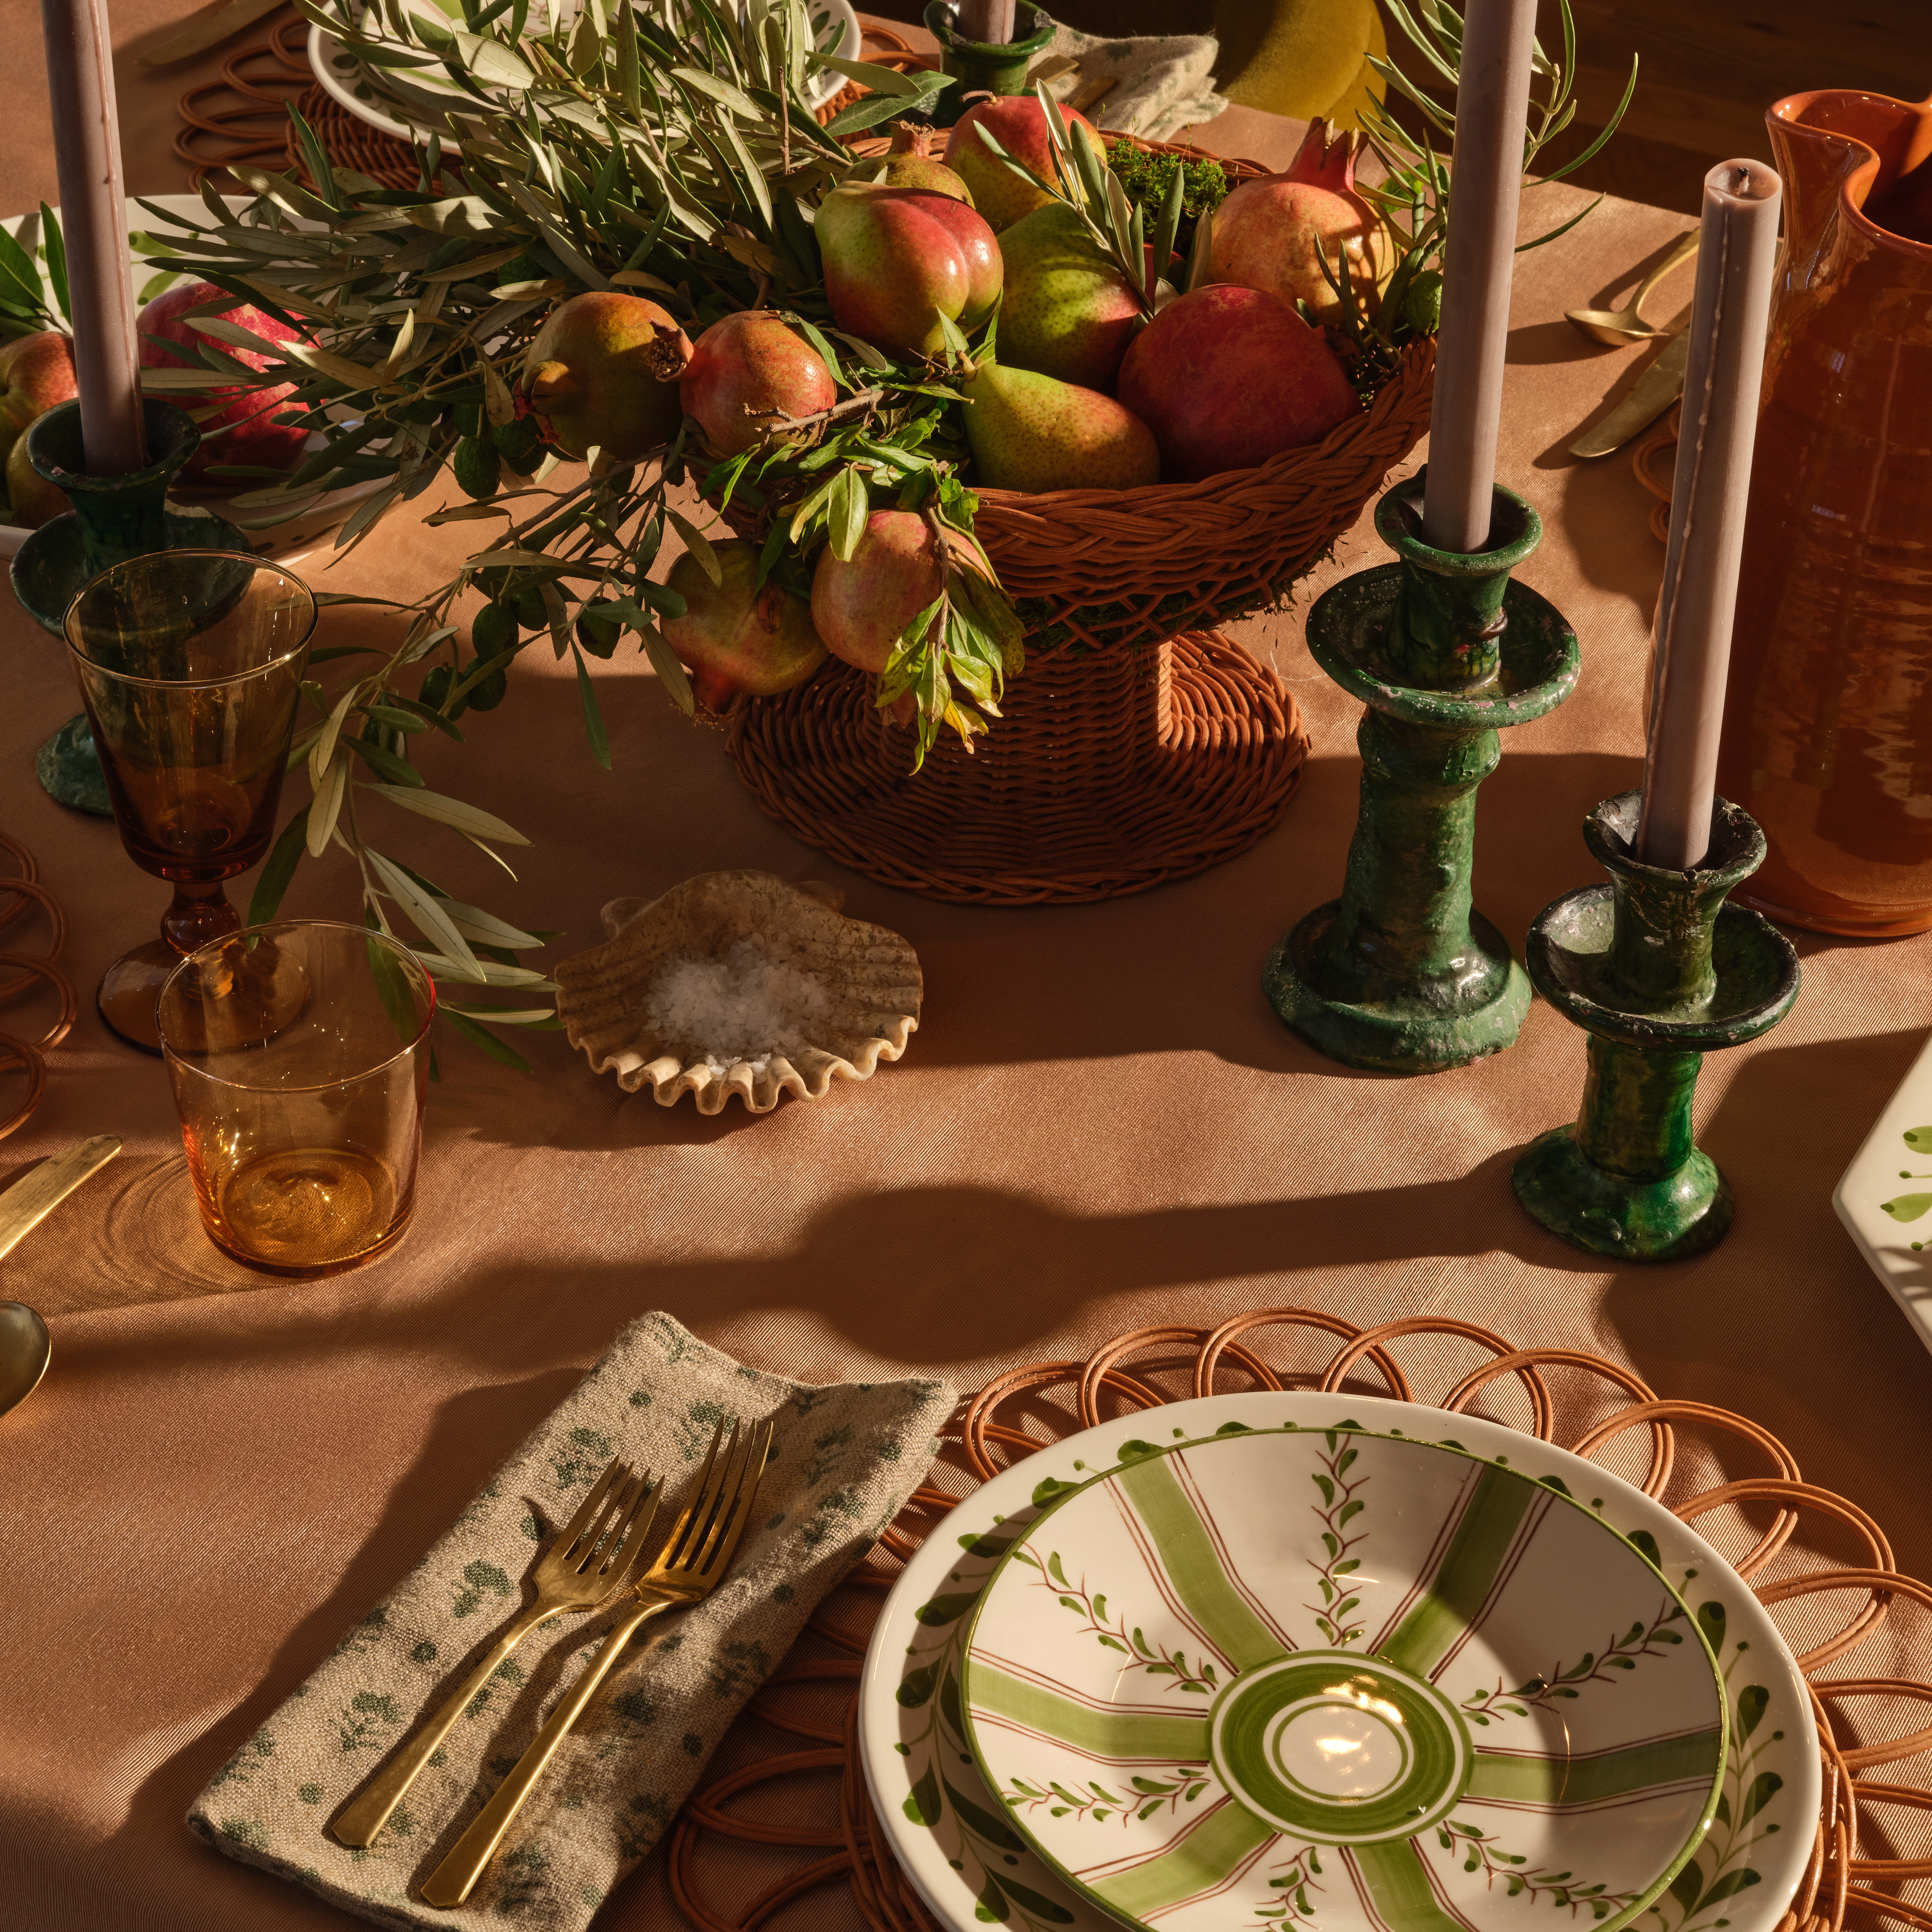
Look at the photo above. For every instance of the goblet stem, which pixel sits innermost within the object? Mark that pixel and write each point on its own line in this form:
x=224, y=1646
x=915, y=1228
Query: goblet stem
x=198, y=913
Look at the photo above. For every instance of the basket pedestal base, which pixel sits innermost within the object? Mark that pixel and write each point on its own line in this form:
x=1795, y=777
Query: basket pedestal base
x=1111, y=772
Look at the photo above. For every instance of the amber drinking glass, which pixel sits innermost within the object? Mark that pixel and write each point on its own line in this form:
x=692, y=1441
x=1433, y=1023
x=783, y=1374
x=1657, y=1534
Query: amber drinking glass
x=299, y=1053
x=191, y=665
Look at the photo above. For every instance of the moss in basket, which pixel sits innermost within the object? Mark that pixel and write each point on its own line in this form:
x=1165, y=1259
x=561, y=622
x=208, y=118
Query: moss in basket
x=1146, y=176
x=665, y=154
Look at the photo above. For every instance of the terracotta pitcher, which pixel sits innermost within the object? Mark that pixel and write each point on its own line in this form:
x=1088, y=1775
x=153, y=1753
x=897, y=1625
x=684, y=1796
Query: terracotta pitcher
x=1827, y=727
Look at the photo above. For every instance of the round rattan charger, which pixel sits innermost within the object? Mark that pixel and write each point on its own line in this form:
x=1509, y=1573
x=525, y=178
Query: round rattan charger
x=20, y=891
x=1852, y=1855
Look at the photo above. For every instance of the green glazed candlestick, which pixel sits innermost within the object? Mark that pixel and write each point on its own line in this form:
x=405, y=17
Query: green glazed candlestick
x=1659, y=971
x=984, y=66
x=113, y=518
x=1401, y=974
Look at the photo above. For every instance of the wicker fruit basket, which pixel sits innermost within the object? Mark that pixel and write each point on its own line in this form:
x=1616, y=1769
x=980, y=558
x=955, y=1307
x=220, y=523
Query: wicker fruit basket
x=1141, y=745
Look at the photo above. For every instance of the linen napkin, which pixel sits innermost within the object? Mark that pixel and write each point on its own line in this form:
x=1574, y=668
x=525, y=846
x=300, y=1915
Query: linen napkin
x=845, y=1458
x=1165, y=82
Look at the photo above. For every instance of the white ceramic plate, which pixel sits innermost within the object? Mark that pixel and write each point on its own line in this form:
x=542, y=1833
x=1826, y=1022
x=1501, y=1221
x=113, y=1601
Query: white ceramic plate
x=958, y=1840
x=286, y=540
x=1390, y=1682
x=1883, y=1199
x=406, y=103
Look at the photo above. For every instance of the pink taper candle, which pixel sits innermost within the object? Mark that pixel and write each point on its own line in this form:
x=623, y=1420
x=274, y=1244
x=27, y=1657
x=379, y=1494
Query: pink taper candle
x=1728, y=317
x=94, y=225
x=1485, y=182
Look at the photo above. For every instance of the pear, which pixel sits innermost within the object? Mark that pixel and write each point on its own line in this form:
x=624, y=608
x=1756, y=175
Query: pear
x=1033, y=433
x=1067, y=310
x=897, y=259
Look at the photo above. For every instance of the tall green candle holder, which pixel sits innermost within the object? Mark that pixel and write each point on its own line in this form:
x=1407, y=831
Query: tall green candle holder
x=1402, y=974
x=984, y=66
x=1658, y=970
x=113, y=518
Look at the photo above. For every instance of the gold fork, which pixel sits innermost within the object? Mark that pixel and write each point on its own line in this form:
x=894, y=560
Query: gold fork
x=693, y=1562
x=595, y=1556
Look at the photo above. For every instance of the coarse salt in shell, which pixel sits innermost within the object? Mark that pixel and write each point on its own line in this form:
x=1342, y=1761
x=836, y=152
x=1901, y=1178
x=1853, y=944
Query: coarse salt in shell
x=736, y=982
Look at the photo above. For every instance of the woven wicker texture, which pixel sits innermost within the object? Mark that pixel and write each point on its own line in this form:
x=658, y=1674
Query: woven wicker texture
x=244, y=115
x=1110, y=772
x=1829, y=1611
x=1655, y=460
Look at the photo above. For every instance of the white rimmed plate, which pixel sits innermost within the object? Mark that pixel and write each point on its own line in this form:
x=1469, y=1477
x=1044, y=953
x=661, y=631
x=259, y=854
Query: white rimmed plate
x=958, y=1841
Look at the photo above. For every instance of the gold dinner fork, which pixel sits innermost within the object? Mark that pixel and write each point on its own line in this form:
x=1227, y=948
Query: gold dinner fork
x=693, y=1562
x=595, y=1556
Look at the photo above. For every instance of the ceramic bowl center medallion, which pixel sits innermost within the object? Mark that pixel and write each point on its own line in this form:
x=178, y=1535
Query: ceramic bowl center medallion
x=1339, y=1750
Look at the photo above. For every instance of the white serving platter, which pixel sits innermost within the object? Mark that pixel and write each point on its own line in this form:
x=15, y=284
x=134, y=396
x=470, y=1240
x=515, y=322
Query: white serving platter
x=1884, y=1198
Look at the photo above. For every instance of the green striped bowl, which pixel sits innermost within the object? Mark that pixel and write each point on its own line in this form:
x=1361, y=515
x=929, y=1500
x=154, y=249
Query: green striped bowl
x=1330, y=1678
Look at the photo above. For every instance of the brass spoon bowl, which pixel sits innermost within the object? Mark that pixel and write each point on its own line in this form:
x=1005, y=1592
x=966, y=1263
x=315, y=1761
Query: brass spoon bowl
x=1619, y=327
x=26, y=1347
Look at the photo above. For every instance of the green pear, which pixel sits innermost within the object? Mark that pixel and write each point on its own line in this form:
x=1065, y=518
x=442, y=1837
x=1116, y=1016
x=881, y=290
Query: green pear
x=1067, y=310
x=1034, y=433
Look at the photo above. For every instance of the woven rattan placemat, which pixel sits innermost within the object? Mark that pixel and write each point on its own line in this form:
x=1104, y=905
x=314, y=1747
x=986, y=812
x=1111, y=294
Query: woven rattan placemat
x=1871, y=1833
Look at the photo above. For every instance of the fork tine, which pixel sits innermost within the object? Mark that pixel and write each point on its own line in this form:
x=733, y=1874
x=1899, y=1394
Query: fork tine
x=627, y=1546
x=723, y=1543
x=723, y=1487
x=591, y=1504
x=701, y=1500
x=583, y=1553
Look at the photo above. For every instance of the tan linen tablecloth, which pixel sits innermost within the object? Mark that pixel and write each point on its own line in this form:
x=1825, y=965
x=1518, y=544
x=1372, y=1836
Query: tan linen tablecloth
x=1099, y=1123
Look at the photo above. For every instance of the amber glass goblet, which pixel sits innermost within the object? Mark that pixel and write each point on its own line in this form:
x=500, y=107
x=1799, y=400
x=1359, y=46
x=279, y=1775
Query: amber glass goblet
x=191, y=665
x=301, y=1126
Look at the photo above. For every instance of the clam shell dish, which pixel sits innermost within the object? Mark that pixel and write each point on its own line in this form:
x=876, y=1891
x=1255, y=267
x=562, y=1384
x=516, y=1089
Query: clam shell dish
x=739, y=983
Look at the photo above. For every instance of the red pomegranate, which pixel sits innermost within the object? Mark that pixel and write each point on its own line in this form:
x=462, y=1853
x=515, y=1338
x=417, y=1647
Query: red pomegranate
x=1274, y=233
x=860, y=608
x=1226, y=377
x=734, y=636
x=743, y=370
x=256, y=439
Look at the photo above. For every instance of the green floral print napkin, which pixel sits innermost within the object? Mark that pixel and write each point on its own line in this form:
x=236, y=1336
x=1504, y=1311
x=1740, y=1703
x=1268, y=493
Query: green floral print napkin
x=1164, y=82
x=845, y=1458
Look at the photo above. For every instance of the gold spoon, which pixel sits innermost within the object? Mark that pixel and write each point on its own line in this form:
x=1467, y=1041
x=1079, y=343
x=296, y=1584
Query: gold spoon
x=1618, y=326
x=25, y=1346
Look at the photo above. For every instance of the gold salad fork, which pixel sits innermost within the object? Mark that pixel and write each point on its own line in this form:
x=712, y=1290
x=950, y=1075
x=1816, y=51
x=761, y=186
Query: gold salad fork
x=595, y=1556
x=693, y=1562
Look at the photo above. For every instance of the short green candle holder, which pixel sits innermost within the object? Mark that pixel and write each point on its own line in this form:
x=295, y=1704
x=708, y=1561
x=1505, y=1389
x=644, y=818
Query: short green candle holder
x=984, y=66
x=113, y=518
x=1401, y=974
x=1658, y=970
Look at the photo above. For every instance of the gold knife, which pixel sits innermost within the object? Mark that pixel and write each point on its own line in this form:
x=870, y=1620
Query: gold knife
x=1657, y=388
x=29, y=1200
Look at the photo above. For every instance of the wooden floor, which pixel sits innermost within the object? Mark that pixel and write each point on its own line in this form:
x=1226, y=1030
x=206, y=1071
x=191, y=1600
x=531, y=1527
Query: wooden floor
x=1708, y=69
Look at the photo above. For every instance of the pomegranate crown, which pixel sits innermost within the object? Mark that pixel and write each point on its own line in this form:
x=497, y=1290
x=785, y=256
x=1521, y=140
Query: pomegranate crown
x=1327, y=160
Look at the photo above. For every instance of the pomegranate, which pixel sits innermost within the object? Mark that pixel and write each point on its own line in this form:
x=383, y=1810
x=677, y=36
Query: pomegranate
x=744, y=368
x=1019, y=123
x=1226, y=377
x=861, y=607
x=734, y=637
x=602, y=372
x=1274, y=233
x=247, y=417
